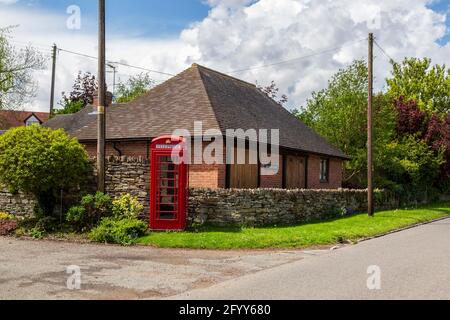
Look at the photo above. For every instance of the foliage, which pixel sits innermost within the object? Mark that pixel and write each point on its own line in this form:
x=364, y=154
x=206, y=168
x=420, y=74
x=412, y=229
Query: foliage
x=134, y=87
x=431, y=128
x=70, y=107
x=272, y=91
x=126, y=206
x=6, y=216
x=41, y=161
x=416, y=79
x=81, y=95
x=91, y=210
x=411, y=162
x=16, y=72
x=339, y=114
x=121, y=231
x=410, y=119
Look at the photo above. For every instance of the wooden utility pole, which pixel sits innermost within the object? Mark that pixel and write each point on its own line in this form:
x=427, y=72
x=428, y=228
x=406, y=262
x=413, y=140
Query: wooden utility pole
x=371, y=207
x=52, y=89
x=101, y=117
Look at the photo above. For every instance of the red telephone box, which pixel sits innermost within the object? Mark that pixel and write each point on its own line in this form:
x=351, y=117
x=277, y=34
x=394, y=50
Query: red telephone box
x=169, y=184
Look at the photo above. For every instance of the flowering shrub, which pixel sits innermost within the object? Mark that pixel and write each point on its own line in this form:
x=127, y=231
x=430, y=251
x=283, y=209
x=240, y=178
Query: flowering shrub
x=126, y=206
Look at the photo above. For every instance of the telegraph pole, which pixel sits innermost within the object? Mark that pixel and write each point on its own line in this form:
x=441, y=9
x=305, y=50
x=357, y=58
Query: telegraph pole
x=370, y=199
x=101, y=117
x=52, y=89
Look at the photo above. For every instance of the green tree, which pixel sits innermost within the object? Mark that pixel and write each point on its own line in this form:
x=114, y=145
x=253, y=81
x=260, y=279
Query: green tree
x=418, y=80
x=339, y=114
x=42, y=162
x=70, y=107
x=134, y=87
x=410, y=167
x=17, y=84
x=82, y=94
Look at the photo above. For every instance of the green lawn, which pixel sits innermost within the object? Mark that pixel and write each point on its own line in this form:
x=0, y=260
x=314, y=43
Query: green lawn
x=301, y=236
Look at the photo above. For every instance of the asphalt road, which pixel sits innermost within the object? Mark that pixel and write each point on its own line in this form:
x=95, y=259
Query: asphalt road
x=412, y=264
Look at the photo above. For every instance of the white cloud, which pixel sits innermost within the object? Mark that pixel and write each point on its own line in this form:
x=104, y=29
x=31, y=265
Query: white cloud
x=242, y=33
x=8, y=1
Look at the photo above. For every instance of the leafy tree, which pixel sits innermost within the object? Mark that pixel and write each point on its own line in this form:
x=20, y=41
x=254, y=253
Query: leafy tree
x=70, y=107
x=134, y=87
x=339, y=113
x=272, y=92
x=430, y=128
x=16, y=72
x=81, y=95
x=41, y=161
x=416, y=79
x=410, y=119
x=410, y=167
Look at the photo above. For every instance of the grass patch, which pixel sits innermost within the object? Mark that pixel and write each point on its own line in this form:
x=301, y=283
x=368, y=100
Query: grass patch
x=310, y=234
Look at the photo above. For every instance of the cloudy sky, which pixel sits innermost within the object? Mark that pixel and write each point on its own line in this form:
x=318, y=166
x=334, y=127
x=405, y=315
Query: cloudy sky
x=297, y=43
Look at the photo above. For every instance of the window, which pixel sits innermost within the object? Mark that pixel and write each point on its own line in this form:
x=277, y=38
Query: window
x=324, y=170
x=32, y=120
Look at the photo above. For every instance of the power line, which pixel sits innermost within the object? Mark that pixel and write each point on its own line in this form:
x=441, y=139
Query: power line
x=118, y=63
x=383, y=51
x=298, y=58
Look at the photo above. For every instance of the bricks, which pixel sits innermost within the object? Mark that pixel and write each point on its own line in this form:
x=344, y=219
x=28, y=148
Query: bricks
x=214, y=176
x=335, y=174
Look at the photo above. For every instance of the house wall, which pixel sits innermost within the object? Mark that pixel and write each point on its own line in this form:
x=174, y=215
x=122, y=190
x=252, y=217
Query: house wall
x=214, y=176
x=200, y=176
x=273, y=181
x=129, y=149
x=335, y=178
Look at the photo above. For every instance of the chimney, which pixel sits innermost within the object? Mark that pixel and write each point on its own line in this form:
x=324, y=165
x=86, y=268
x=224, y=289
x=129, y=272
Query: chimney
x=109, y=98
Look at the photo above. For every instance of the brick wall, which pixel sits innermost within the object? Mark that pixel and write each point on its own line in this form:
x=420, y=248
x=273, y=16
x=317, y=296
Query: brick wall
x=214, y=176
x=335, y=178
x=273, y=181
x=129, y=149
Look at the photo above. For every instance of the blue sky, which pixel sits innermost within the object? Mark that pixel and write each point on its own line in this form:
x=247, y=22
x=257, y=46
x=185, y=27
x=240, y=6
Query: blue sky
x=149, y=18
x=230, y=35
x=443, y=6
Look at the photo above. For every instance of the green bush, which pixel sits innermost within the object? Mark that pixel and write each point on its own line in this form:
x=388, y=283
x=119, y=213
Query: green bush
x=91, y=210
x=126, y=206
x=42, y=162
x=123, y=231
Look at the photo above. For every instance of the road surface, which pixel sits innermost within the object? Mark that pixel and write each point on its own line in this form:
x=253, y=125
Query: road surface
x=411, y=264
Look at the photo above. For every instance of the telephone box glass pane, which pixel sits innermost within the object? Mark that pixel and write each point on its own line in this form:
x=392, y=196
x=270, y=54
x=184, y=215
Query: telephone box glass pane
x=167, y=199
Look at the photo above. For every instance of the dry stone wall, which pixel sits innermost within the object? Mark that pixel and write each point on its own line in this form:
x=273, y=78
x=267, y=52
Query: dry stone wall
x=269, y=207
x=222, y=207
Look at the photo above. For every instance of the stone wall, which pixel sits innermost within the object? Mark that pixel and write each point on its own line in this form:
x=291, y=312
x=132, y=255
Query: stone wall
x=220, y=207
x=18, y=204
x=268, y=207
x=127, y=175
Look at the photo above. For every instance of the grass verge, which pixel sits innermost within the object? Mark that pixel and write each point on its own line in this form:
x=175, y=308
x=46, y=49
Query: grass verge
x=318, y=233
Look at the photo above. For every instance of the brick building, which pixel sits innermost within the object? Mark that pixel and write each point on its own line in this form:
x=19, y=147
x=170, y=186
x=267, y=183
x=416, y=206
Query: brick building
x=221, y=102
x=12, y=119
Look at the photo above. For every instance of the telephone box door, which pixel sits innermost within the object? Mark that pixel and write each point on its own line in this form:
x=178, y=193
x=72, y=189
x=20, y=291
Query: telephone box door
x=168, y=199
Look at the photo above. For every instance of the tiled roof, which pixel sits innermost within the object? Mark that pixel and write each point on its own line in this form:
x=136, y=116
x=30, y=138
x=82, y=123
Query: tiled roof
x=198, y=94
